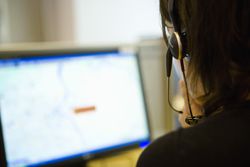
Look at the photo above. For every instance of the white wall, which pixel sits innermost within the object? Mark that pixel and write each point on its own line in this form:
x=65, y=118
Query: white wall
x=115, y=21
x=36, y=20
x=57, y=20
x=85, y=21
x=4, y=30
x=22, y=21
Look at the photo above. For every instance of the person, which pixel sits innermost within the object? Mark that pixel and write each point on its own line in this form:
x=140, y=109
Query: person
x=211, y=41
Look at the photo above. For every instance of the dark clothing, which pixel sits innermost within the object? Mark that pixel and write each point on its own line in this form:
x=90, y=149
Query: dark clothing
x=220, y=140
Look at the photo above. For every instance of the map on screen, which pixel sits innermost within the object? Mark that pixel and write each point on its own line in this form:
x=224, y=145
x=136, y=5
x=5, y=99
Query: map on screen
x=57, y=107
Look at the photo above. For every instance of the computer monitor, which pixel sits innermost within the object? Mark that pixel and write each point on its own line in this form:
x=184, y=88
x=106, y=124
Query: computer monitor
x=69, y=106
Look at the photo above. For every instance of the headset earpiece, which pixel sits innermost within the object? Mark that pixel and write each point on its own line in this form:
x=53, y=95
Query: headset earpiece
x=175, y=46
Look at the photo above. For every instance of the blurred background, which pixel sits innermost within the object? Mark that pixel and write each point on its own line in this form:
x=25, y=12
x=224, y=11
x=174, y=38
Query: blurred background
x=84, y=21
x=123, y=23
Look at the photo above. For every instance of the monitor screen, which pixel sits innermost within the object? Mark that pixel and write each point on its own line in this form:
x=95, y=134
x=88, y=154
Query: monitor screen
x=63, y=106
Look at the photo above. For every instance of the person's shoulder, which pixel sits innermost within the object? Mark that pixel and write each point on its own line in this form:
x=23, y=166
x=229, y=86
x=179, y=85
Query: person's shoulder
x=160, y=151
x=220, y=139
x=174, y=147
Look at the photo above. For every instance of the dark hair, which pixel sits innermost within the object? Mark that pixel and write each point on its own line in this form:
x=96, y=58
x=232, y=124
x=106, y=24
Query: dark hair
x=218, y=34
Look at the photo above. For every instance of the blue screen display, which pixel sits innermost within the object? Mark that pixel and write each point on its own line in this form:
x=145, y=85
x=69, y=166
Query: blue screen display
x=55, y=108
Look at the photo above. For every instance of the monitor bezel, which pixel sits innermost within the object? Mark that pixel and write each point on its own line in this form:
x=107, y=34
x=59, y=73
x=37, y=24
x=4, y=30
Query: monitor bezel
x=78, y=161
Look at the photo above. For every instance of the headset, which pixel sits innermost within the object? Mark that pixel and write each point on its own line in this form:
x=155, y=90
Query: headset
x=177, y=49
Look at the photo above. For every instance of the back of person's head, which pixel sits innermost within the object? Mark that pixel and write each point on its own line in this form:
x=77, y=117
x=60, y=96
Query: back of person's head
x=218, y=42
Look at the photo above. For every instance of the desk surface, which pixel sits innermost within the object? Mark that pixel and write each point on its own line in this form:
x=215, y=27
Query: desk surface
x=124, y=159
